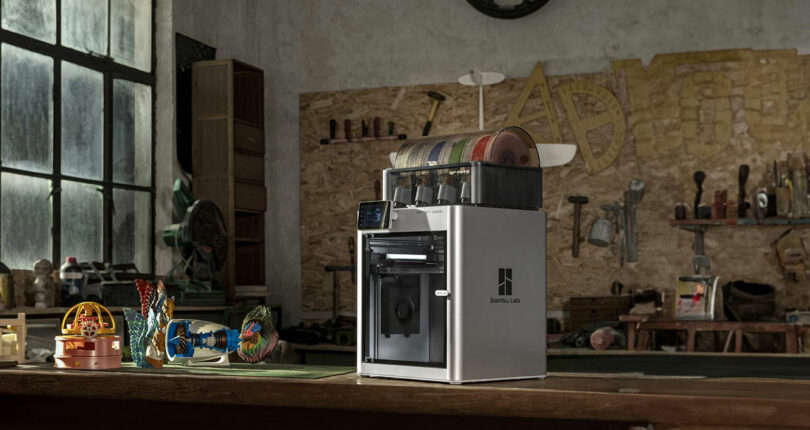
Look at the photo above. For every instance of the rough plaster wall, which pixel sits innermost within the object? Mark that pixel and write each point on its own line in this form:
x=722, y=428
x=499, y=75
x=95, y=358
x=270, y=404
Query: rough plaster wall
x=319, y=45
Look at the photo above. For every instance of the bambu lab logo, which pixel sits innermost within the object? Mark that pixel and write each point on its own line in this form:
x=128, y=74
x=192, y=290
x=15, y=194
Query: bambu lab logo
x=504, y=287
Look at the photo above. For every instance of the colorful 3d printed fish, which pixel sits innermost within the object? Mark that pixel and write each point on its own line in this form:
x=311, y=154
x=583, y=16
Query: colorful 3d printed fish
x=259, y=335
x=147, y=329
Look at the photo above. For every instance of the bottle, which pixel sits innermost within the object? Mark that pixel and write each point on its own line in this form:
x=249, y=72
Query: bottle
x=72, y=279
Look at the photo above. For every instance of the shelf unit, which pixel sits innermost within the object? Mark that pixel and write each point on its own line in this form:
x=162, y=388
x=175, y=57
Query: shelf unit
x=700, y=226
x=60, y=311
x=228, y=161
x=778, y=222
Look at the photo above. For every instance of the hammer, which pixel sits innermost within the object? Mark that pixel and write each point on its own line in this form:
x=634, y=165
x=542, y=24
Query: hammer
x=437, y=98
x=578, y=201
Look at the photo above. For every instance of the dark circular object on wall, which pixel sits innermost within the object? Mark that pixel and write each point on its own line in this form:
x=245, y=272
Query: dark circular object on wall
x=497, y=9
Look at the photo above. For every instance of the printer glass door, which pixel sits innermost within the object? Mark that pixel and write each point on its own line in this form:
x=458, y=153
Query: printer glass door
x=404, y=320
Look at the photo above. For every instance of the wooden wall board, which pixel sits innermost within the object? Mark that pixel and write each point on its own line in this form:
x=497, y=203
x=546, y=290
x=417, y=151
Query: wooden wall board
x=708, y=111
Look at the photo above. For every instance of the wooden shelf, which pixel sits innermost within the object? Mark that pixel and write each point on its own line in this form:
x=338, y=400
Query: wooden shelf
x=234, y=91
x=248, y=152
x=248, y=211
x=779, y=222
x=365, y=139
x=249, y=182
x=60, y=311
x=248, y=239
x=250, y=123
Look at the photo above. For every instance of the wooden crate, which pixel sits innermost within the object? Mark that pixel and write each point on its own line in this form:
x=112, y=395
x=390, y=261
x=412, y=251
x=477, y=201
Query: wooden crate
x=18, y=327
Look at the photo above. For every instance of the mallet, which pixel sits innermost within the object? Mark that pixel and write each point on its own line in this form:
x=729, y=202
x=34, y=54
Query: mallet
x=437, y=98
x=578, y=201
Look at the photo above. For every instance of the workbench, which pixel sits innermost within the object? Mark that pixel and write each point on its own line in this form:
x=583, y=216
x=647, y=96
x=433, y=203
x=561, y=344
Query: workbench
x=36, y=396
x=638, y=328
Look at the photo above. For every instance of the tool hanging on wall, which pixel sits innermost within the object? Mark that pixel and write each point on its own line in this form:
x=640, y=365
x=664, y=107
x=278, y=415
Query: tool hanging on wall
x=783, y=190
x=364, y=127
x=632, y=198
x=578, y=201
x=437, y=98
x=627, y=223
x=602, y=229
x=613, y=115
x=798, y=178
x=479, y=79
x=364, y=131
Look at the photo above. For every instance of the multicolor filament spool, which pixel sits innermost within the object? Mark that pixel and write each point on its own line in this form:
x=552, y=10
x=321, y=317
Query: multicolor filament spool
x=511, y=146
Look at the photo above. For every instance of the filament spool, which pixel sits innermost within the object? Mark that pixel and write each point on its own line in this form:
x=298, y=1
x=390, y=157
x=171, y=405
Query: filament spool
x=511, y=146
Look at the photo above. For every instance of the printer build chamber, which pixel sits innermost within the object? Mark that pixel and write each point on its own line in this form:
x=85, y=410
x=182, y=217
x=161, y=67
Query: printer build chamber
x=409, y=325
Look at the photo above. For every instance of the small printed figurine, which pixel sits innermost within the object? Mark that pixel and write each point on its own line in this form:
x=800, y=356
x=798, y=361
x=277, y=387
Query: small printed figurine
x=259, y=335
x=147, y=328
x=43, y=284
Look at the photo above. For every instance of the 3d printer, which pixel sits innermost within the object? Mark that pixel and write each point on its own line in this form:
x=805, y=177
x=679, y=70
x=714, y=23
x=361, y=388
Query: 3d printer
x=452, y=268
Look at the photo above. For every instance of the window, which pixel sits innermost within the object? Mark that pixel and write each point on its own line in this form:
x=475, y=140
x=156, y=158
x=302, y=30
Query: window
x=76, y=138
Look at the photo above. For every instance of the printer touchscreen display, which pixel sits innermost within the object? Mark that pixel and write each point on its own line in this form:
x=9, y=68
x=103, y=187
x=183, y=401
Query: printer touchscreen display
x=374, y=215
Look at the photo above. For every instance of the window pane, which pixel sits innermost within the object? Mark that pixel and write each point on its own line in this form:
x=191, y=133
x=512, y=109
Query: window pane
x=131, y=33
x=131, y=229
x=32, y=18
x=25, y=220
x=84, y=25
x=82, y=121
x=82, y=221
x=26, y=121
x=132, y=133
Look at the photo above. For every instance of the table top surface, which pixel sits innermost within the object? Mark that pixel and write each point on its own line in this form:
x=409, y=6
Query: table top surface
x=672, y=400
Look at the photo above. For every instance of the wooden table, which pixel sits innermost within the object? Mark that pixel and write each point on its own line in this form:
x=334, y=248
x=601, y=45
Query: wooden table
x=638, y=328
x=39, y=397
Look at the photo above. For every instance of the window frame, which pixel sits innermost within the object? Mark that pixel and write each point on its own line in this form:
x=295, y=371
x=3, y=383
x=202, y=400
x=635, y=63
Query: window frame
x=110, y=71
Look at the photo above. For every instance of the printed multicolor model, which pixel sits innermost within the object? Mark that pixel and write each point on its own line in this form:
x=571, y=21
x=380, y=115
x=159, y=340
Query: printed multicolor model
x=88, y=339
x=197, y=342
x=147, y=328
